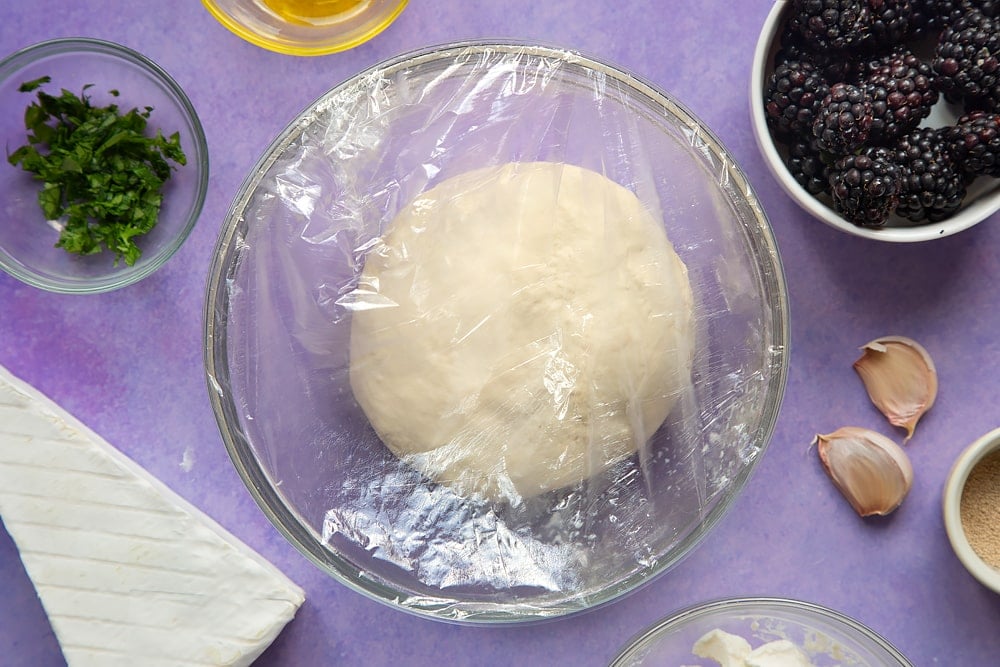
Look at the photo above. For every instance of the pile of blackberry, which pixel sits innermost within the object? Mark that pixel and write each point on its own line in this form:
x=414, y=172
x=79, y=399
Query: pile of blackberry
x=849, y=93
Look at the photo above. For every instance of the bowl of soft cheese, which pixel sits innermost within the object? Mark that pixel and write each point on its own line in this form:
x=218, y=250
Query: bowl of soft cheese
x=496, y=332
x=762, y=632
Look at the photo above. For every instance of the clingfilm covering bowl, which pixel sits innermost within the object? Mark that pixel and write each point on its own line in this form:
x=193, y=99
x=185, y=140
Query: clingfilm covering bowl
x=278, y=325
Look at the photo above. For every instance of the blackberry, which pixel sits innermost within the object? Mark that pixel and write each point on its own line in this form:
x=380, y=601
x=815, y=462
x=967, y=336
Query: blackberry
x=930, y=16
x=967, y=60
x=833, y=65
x=988, y=7
x=832, y=25
x=794, y=93
x=844, y=120
x=806, y=165
x=974, y=142
x=900, y=87
x=933, y=184
x=890, y=20
x=865, y=187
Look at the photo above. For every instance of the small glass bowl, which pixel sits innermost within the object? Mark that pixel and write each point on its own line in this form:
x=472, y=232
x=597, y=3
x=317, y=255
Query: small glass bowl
x=970, y=457
x=982, y=200
x=27, y=239
x=256, y=22
x=827, y=637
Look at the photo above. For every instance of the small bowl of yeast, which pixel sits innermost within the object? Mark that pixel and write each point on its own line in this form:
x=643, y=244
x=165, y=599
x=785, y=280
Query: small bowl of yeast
x=496, y=332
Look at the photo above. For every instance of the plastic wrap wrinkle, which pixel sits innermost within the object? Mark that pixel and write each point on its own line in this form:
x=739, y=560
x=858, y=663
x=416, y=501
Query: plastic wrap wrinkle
x=347, y=115
x=323, y=217
x=449, y=542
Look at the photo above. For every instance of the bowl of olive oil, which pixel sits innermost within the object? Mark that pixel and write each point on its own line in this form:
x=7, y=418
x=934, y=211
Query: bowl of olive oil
x=306, y=27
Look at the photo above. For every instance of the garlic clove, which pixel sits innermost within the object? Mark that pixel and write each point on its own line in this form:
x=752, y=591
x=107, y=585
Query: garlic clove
x=900, y=379
x=869, y=469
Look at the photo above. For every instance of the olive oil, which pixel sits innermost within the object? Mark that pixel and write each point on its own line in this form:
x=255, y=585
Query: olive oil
x=314, y=12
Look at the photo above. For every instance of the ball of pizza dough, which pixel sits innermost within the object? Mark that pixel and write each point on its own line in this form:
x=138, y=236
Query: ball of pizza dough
x=519, y=328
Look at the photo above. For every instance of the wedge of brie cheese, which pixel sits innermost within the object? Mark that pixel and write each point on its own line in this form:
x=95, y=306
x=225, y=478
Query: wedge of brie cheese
x=128, y=572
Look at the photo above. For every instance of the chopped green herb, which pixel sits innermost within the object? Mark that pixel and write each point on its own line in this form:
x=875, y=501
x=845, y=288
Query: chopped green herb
x=102, y=175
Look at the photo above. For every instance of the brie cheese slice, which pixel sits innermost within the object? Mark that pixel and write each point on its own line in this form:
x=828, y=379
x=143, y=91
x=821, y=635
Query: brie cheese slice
x=128, y=572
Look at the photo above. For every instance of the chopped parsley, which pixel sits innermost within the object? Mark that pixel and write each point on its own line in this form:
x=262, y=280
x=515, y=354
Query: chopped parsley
x=102, y=175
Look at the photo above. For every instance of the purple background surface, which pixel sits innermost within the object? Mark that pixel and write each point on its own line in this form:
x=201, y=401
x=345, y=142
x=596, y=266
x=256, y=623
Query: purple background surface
x=129, y=363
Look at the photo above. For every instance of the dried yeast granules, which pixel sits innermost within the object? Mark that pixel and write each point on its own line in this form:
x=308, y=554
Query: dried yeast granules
x=980, y=508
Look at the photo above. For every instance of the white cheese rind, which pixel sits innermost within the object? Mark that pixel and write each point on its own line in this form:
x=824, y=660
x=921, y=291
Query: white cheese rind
x=128, y=572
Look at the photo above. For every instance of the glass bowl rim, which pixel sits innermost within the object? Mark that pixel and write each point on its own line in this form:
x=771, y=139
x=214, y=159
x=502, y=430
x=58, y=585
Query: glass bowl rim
x=14, y=62
x=757, y=231
x=702, y=609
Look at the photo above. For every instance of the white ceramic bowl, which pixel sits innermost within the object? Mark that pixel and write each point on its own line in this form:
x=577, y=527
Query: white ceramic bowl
x=982, y=201
x=967, y=460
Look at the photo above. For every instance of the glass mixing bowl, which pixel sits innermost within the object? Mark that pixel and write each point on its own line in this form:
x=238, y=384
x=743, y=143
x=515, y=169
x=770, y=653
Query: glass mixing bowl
x=828, y=638
x=278, y=327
